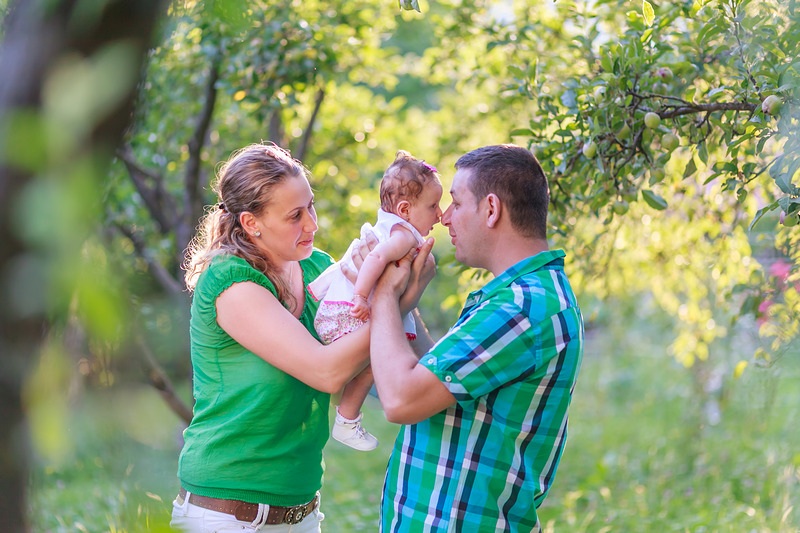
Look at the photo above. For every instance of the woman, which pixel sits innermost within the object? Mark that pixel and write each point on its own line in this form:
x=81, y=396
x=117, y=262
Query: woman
x=252, y=458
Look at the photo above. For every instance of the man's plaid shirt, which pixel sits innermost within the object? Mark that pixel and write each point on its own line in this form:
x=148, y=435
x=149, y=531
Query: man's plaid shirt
x=510, y=361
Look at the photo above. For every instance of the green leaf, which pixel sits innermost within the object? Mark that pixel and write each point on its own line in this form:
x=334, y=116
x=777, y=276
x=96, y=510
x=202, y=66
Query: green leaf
x=702, y=152
x=748, y=168
x=647, y=13
x=569, y=99
x=516, y=71
x=691, y=168
x=784, y=182
x=760, y=213
x=521, y=132
x=654, y=200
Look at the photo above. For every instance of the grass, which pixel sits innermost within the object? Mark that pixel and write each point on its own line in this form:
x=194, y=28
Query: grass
x=641, y=455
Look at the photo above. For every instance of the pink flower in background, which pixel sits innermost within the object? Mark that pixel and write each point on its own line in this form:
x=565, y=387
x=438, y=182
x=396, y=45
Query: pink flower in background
x=763, y=309
x=780, y=269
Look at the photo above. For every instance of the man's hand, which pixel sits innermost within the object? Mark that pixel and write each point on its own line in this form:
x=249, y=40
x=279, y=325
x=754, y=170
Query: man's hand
x=406, y=280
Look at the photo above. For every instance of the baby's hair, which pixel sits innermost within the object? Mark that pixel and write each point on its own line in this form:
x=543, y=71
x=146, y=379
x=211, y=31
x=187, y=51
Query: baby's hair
x=405, y=179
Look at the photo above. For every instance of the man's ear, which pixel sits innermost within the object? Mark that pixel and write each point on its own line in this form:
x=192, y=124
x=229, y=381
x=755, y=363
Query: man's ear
x=493, y=209
x=403, y=207
x=248, y=222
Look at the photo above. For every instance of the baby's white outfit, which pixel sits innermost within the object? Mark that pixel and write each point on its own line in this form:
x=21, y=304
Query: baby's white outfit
x=335, y=291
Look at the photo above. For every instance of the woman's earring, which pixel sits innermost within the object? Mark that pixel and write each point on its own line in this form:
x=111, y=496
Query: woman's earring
x=257, y=234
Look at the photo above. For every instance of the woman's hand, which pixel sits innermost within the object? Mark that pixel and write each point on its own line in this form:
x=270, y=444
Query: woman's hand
x=406, y=280
x=358, y=255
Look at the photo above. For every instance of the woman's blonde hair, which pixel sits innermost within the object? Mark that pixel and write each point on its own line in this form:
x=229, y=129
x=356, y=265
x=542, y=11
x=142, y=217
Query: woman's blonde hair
x=243, y=184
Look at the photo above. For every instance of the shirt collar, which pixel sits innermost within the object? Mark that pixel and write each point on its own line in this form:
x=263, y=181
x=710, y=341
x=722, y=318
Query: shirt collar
x=526, y=266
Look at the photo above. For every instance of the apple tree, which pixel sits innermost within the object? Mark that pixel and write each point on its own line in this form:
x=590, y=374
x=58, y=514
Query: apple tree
x=669, y=131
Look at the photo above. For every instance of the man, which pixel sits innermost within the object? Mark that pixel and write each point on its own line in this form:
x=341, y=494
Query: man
x=485, y=408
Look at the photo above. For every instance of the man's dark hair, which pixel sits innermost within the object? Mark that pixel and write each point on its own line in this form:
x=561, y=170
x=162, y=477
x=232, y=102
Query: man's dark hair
x=514, y=174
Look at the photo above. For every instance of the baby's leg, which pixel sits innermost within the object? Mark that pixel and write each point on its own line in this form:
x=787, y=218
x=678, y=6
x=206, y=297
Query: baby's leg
x=354, y=394
x=347, y=428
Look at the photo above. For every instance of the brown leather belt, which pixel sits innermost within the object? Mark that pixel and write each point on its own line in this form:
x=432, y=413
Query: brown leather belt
x=247, y=512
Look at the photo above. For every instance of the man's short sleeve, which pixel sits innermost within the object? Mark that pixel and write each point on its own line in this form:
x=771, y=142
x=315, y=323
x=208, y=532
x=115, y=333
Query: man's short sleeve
x=494, y=345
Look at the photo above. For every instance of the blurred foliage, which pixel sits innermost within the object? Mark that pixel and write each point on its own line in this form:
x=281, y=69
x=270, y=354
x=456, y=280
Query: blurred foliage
x=691, y=231
x=693, y=228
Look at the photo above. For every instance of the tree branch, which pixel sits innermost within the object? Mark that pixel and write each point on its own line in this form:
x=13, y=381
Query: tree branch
x=158, y=203
x=164, y=278
x=305, y=141
x=690, y=109
x=275, y=127
x=159, y=380
x=192, y=190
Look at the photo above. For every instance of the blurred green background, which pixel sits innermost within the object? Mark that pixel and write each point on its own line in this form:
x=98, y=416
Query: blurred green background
x=680, y=231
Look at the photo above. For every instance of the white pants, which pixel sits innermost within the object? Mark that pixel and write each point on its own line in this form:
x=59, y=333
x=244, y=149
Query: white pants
x=189, y=518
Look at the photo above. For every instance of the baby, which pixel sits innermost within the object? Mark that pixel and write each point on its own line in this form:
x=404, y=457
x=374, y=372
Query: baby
x=410, y=194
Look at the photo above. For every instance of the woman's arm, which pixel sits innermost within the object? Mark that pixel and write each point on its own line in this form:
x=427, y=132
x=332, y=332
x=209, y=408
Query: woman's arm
x=255, y=318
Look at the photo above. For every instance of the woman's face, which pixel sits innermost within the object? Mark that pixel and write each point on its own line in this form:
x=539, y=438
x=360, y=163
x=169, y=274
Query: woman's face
x=289, y=222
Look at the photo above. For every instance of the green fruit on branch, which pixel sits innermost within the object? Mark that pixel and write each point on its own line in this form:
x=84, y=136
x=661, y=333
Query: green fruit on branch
x=620, y=207
x=670, y=141
x=589, y=149
x=665, y=73
x=789, y=220
x=624, y=132
x=599, y=92
x=772, y=105
x=409, y=5
x=652, y=120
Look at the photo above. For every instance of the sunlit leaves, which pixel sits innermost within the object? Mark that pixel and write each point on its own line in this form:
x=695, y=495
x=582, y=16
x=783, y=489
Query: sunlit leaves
x=648, y=13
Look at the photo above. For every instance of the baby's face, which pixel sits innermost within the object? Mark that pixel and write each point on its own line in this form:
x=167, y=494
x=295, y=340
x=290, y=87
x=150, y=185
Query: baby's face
x=424, y=212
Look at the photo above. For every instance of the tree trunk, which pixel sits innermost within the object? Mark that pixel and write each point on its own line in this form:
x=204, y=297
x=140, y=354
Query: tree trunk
x=37, y=35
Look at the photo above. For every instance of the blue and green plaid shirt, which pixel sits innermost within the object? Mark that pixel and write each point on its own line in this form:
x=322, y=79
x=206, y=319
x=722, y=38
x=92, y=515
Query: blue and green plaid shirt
x=510, y=361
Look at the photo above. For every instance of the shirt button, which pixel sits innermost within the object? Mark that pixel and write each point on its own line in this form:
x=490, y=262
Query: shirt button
x=431, y=361
x=448, y=379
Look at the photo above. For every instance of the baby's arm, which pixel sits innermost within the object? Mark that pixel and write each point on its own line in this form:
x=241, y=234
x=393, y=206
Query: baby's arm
x=400, y=242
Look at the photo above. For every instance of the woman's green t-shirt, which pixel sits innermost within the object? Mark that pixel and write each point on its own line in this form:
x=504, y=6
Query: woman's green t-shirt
x=257, y=433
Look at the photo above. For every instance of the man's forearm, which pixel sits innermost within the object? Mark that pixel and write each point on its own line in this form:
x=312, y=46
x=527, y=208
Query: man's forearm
x=391, y=355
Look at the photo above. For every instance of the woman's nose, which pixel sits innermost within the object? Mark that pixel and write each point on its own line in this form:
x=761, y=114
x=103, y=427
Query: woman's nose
x=311, y=224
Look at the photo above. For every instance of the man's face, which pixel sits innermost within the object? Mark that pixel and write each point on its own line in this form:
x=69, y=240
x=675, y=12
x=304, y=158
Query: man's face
x=463, y=220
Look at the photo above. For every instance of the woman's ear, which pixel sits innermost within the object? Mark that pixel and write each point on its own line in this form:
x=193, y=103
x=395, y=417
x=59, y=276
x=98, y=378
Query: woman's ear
x=493, y=210
x=248, y=222
x=403, y=208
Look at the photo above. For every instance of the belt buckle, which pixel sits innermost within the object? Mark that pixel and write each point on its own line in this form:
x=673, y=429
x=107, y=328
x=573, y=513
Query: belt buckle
x=295, y=515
